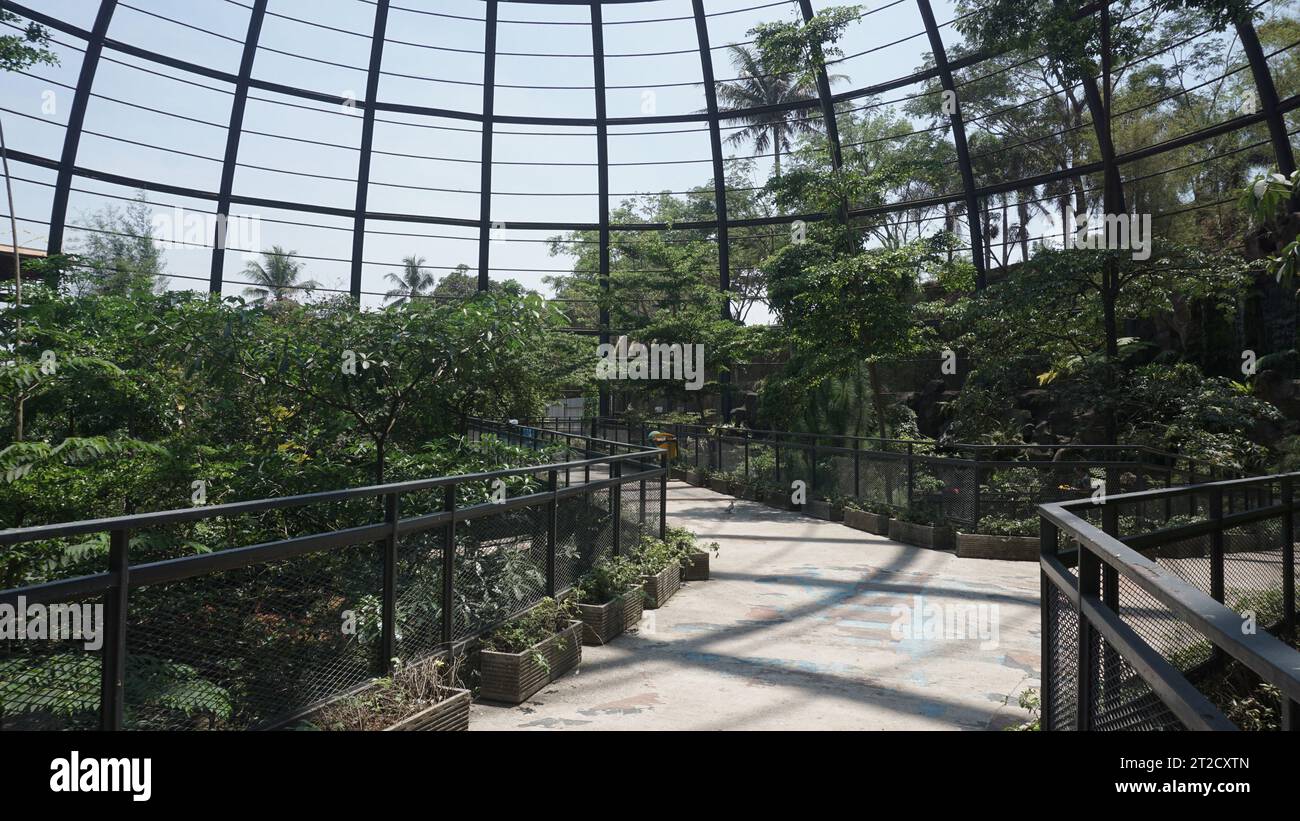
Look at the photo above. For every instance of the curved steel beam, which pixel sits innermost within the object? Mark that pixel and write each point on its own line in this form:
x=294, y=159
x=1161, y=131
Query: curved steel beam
x=973, y=210
x=826, y=99
x=485, y=161
x=76, y=119
x=233, y=133
x=367, y=142
x=719, y=184
x=715, y=142
x=1268, y=100
x=602, y=172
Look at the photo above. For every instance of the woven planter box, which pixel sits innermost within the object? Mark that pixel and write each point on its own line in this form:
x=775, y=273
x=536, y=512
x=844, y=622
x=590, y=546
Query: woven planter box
x=449, y=715
x=935, y=538
x=514, y=677
x=660, y=587
x=695, y=567
x=694, y=477
x=720, y=486
x=677, y=474
x=820, y=509
x=1011, y=548
x=602, y=622
x=868, y=522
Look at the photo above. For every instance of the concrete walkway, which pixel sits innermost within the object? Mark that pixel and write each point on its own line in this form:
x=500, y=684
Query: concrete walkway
x=796, y=631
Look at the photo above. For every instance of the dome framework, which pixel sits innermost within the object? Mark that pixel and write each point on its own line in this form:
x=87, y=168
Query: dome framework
x=971, y=196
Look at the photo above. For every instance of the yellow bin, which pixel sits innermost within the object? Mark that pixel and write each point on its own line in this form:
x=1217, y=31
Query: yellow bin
x=665, y=441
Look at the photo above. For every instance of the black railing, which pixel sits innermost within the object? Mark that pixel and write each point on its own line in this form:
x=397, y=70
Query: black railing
x=962, y=484
x=1157, y=609
x=232, y=634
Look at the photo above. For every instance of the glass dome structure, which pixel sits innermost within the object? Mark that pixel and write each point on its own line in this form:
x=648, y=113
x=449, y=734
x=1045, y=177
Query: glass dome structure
x=471, y=134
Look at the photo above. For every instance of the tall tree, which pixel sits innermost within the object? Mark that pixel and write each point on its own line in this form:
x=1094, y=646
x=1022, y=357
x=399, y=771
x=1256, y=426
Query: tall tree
x=759, y=86
x=277, y=278
x=414, y=281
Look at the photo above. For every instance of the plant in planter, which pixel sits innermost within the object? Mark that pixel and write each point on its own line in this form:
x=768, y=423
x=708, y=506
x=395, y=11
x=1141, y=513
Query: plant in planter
x=831, y=509
x=530, y=651
x=419, y=696
x=660, y=563
x=872, y=517
x=718, y=481
x=609, y=599
x=1001, y=537
x=917, y=526
x=694, y=557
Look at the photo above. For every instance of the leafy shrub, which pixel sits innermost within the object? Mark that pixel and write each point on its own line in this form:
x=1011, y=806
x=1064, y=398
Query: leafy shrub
x=537, y=625
x=611, y=577
x=1007, y=526
x=653, y=555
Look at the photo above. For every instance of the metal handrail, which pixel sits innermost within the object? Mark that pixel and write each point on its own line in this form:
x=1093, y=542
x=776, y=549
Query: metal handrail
x=121, y=577
x=1103, y=556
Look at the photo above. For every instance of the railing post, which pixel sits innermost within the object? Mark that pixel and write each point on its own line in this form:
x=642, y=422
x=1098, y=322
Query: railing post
x=1046, y=547
x=746, y=441
x=663, y=498
x=718, y=439
x=911, y=474
x=975, y=495
x=812, y=471
x=112, y=704
x=857, y=469
x=1089, y=573
x=616, y=505
x=776, y=448
x=388, y=637
x=448, y=563
x=1216, y=544
x=1288, y=554
x=552, y=525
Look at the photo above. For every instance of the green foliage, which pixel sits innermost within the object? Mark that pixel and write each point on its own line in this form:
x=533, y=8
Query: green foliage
x=611, y=577
x=537, y=625
x=652, y=555
x=800, y=47
x=1176, y=408
x=27, y=48
x=116, y=254
x=158, y=692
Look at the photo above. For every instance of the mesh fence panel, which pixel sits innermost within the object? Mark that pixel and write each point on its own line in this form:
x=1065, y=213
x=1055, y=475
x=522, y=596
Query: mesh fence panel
x=500, y=568
x=1063, y=641
x=418, y=587
x=241, y=648
x=50, y=684
x=1121, y=699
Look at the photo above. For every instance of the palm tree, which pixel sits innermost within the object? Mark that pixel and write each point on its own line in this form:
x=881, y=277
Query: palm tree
x=755, y=86
x=276, y=279
x=414, y=281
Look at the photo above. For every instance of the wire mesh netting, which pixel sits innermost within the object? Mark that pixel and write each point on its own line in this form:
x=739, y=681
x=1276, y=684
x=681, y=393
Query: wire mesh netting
x=1062, y=629
x=241, y=648
x=53, y=684
x=500, y=568
x=1120, y=698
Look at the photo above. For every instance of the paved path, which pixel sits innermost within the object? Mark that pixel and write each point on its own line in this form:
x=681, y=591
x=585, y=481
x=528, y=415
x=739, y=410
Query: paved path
x=794, y=632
